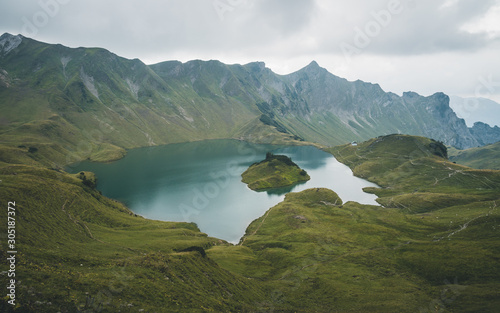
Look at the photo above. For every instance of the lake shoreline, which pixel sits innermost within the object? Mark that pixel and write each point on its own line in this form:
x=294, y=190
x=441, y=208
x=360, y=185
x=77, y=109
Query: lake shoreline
x=200, y=182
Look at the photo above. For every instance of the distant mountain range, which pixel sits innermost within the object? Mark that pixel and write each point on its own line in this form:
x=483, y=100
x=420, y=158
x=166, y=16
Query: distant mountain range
x=432, y=244
x=474, y=110
x=59, y=100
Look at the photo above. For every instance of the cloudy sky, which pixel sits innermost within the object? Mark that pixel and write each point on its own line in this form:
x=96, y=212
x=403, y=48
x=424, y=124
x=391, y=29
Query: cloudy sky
x=404, y=45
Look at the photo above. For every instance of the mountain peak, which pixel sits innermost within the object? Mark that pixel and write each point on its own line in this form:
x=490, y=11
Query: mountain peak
x=313, y=64
x=256, y=66
x=6, y=36
x=313, y=67
x=9, y=42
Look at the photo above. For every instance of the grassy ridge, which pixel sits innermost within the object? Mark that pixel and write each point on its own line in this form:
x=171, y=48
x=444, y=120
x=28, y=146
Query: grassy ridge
x=453, y=208
x=432, y=247
x=487, y=157
x=273, y=172
x=88, y=103
x=328, y=256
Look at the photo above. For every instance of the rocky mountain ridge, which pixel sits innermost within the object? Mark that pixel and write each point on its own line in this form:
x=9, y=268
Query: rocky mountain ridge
x=59, y=99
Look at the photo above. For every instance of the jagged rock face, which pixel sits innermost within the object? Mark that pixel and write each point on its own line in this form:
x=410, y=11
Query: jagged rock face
x=443, y=124
x=173, y=101
x=9, y=42
x=485, y=134
x=382, y=112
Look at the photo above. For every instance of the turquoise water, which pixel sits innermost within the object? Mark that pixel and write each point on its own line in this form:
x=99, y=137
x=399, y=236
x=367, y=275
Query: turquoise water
x=201, y=182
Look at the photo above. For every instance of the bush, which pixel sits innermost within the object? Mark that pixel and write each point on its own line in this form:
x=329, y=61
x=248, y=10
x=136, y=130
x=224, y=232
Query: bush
x=438, y=148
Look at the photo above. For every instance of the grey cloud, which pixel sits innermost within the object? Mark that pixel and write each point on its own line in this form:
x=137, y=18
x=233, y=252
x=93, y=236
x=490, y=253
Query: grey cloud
x=152, y=27
x=424, y=27
x=287, y=33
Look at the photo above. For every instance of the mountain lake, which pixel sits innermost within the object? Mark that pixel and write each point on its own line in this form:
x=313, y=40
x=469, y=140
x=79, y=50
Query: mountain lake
x=200, y=182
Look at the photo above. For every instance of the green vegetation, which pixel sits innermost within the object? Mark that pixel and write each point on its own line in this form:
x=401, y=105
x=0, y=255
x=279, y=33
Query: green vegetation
x=273, y=172
x=64, y=105
x=433, y=246
x=88, y=103
x=487, y=157
x=82, y=252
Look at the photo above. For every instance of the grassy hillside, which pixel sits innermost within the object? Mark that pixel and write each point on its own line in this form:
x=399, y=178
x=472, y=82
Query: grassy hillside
x=273, y=172
x=81, y=252
x=487, y=157
x=88, y=103
x=432, y=246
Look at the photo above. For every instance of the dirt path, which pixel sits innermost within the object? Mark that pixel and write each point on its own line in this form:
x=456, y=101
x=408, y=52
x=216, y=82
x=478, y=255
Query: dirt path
x=258, y=227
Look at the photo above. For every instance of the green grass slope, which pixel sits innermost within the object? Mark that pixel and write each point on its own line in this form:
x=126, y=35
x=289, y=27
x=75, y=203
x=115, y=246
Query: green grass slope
x=81, y=252
x=452, y=208
x=88, y=103
x=487, y=157
x=432, y=246
x=273, y=172
x=322, y=255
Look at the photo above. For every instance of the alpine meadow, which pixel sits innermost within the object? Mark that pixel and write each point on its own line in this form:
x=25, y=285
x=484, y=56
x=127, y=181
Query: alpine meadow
x=431, y=244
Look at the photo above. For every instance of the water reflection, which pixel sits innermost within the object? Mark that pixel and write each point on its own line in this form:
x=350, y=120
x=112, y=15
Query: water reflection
x=309, y=157
x=282, y=190
x=201, y=182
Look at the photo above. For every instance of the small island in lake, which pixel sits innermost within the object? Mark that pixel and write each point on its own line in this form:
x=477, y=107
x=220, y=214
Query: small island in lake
x=273, y=172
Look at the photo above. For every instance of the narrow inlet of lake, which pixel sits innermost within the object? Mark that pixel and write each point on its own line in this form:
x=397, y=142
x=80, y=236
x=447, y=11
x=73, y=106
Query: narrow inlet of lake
x=200, y=182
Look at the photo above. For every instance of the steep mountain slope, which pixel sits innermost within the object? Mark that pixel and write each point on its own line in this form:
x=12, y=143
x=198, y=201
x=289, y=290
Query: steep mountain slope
x=474, y=110
x=485, y=133
x=315, y=105
x=364, y=109
x=72, y=104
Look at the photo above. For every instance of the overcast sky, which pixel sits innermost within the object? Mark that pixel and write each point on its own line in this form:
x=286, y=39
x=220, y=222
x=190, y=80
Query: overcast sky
x=424, y=46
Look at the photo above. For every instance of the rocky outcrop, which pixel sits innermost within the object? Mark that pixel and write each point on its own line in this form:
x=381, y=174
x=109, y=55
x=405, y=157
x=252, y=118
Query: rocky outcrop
x=485, y=134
